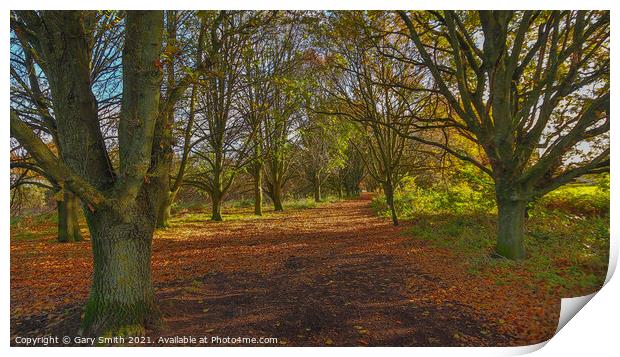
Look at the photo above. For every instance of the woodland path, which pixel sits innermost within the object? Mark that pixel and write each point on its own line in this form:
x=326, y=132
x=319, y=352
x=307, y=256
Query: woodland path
x=332, y=275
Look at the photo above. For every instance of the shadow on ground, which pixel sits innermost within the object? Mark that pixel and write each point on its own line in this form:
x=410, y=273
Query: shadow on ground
x=333, y=275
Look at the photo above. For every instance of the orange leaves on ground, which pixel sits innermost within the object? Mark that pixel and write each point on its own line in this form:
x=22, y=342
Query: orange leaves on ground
x=333, y=275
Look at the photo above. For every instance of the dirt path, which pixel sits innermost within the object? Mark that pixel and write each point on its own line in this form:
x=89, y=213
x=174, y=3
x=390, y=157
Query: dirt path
x=332, y=275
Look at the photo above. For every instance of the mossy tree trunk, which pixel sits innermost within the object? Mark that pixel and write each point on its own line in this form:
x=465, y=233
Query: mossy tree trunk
x=216, y=185
x=510, y=228
x=68, y=211
x=353, y=172
x=216, y=206
x=166, y=121
x=163, y=214
x=121, y=299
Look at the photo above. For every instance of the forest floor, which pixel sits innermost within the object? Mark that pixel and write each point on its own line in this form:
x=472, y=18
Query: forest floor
x=331, y=275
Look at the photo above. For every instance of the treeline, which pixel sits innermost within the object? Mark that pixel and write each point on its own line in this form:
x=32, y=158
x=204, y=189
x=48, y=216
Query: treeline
x=120, y=110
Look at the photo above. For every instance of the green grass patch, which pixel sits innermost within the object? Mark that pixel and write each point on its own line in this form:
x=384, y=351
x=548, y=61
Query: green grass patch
x=238, y=210
x=34, y=226
x=300, y=203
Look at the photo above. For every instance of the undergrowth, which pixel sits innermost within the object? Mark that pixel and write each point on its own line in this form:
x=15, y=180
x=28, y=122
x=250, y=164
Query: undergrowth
x=567, y=232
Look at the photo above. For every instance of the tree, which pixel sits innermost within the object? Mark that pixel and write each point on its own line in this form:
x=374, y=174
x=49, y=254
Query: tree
x=530, y=88
x=255, y=100
x=175, y=89
x=173, y=93
x=223, y=138
x=323, y=141
x=30, y=98
x=364, y=90
x=280, y=101
x=323, y=138
x=121, y=204
x=24, y=172
x=351, y=174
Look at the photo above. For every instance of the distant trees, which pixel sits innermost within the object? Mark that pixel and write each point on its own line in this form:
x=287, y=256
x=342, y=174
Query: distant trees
x=284, y=68
x=530, y=88
x=365, y=89
x=184, y=69
x=26, y=174
x=351, y=173
x=224, y=141
x=323, y=141
x=323, y=138
x=255, y=104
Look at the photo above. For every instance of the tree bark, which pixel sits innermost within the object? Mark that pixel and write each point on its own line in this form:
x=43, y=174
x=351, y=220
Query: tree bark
x=164, y=137
x=68, y=226
x=510, y=228
x=389, y=198
x=163, y=214
x=276, y=196
x=258, y=190
x=216, y=205
x=121, y=299
x=317, y=189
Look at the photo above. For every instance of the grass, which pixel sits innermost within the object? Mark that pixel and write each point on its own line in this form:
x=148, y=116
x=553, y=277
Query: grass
x=34, y=226
x=567, y=235
x=242, y=209
x=229, y=214
x=308, y=202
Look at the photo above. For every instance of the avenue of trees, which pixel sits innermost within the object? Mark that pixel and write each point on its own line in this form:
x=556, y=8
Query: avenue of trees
x=115, y=112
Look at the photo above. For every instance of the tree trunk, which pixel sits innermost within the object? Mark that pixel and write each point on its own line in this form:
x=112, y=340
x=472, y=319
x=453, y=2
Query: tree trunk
x=163, y=214
x=511, y=216
x=121, y=299
x=317, y=189
x=216, y=207
x=277, y=197
x=389, y=198
x=68, y=226
x=258, y=191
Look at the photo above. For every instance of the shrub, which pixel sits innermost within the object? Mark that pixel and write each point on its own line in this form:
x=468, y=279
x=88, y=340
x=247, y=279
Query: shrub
x=578, y=199
x=460, y=198
x=567, y=232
